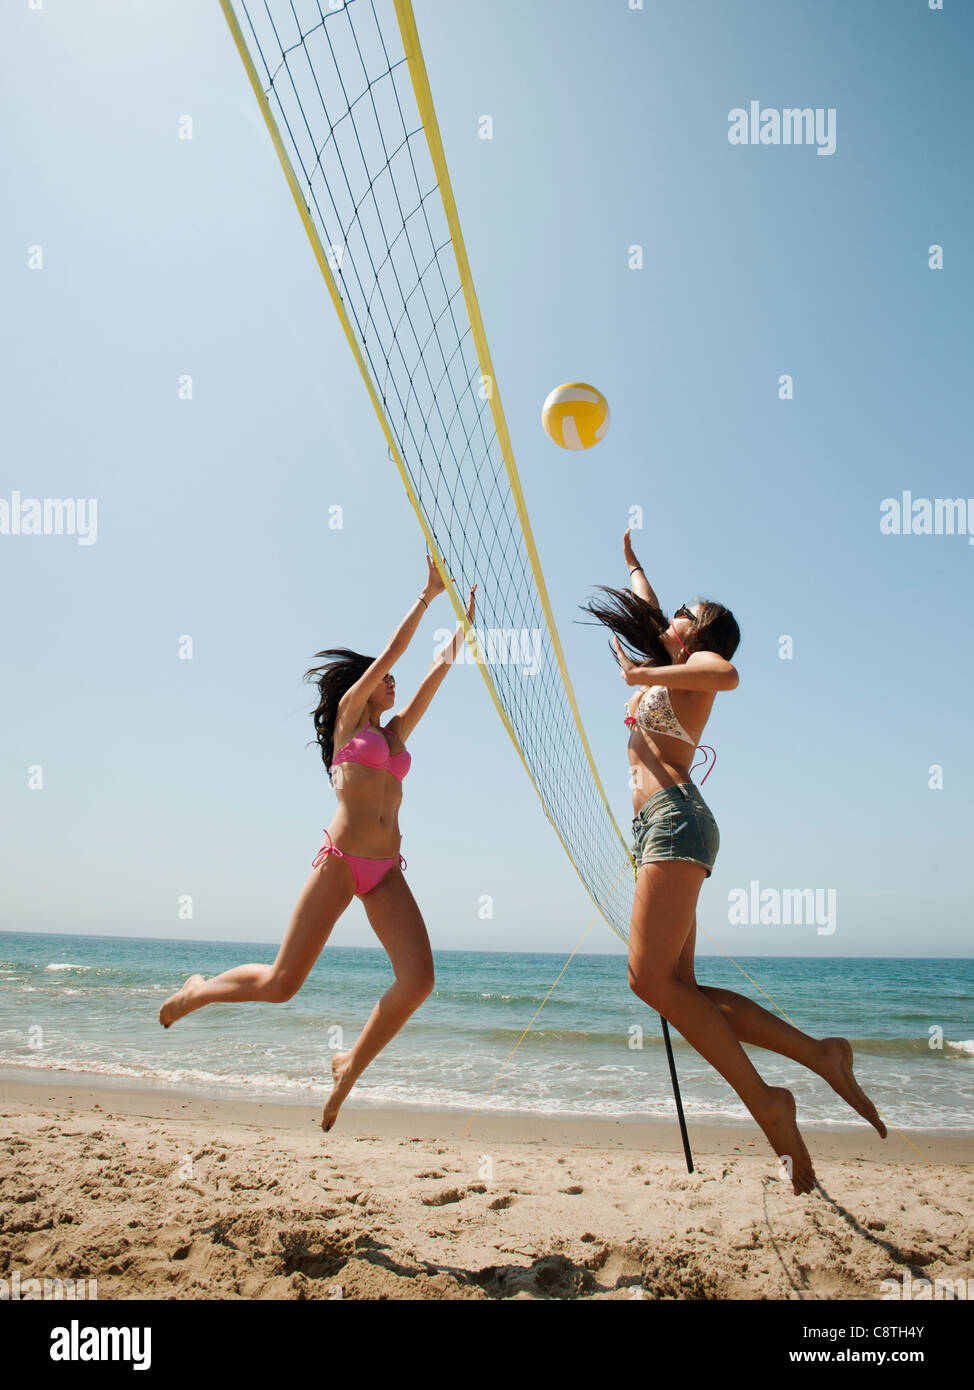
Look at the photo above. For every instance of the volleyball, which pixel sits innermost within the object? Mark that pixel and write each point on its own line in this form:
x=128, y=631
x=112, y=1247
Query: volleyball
x=575, y=416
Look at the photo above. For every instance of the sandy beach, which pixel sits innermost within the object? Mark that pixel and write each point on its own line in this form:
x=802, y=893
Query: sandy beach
x=157, y=1194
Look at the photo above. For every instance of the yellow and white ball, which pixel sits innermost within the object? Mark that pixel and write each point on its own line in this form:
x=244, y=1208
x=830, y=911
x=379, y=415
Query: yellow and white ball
x=575, y=416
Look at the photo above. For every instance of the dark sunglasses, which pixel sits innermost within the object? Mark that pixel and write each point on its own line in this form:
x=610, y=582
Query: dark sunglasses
x=684, y=612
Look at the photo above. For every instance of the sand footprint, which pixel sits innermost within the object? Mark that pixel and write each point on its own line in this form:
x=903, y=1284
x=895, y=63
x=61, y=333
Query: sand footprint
x=444, y=1198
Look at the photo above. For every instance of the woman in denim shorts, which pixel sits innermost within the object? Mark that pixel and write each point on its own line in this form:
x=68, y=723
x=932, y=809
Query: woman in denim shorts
x=678, y=668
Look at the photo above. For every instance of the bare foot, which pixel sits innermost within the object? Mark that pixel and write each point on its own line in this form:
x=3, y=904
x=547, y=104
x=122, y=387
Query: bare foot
x=340, y=1090
x=176, y=1005
x=836, y=1069
x=781, y=1131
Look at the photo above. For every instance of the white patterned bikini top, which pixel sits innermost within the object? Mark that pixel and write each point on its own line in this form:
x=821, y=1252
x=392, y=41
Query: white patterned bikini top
x=655, y=714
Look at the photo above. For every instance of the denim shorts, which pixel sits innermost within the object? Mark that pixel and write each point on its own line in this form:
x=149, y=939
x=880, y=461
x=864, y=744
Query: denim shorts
x=676, y=823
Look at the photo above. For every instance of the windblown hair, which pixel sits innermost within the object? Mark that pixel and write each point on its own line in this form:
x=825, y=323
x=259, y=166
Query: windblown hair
x=333, y=679
x=639, y=626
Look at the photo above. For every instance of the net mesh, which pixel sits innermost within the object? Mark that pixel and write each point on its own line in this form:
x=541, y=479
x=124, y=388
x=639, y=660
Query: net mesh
x=338, y=86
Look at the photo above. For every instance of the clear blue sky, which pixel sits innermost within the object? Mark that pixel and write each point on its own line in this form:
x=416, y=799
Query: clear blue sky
x=164, y=256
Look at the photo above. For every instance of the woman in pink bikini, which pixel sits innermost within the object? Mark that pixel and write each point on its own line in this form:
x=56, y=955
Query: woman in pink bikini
x=679, y=669
x=360, y=855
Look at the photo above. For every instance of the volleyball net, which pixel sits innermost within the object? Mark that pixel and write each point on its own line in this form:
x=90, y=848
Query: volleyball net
x=344, y=91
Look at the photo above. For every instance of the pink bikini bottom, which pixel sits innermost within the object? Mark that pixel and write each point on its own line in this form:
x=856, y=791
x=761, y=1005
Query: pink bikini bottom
x=366, y=873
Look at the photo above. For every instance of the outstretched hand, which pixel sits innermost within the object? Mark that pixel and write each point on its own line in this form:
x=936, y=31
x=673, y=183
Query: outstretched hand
x=434, y=582
x=627, y=550
x=470, y=604
x=624, y=661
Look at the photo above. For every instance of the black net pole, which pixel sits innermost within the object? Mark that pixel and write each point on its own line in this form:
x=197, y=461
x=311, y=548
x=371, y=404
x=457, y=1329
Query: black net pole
x=676, y=1095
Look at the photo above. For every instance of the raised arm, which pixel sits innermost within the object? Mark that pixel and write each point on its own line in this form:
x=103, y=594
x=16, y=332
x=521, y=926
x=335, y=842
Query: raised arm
x=353, y=703
x=403, y=724
x=637, y=577
x=700, y=671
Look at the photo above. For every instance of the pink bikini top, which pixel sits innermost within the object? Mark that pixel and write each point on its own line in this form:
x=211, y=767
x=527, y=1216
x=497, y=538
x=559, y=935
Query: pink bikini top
x=371, y=749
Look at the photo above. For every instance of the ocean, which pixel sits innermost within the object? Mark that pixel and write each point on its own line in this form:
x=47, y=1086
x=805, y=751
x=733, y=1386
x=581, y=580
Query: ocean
x=89, y=1005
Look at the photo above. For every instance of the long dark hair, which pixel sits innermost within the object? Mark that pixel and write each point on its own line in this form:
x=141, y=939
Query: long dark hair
x=333, y=679
x=640, y=625
x=715, y=630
